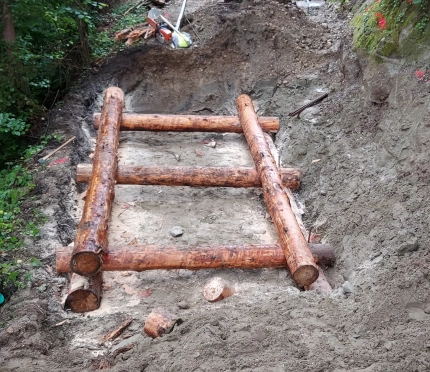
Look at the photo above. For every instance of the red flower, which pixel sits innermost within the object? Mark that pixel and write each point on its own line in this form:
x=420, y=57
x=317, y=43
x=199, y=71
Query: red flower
x=382, y=23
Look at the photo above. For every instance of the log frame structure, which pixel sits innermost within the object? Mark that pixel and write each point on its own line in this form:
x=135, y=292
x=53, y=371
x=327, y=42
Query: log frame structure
x=299, y=258
x=91, y=237
x=191, y=176
x=91, y=254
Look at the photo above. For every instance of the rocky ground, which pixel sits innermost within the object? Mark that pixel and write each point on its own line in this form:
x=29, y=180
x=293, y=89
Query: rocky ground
x=364, y=153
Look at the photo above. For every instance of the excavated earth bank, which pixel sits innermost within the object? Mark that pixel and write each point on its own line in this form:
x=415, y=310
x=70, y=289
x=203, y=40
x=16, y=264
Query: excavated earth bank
x=364, y=152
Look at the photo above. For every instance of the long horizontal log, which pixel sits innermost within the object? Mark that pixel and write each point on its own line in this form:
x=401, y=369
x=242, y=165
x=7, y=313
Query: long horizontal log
x=191, y=176
x=84, y=293
x=187, y=123
x=91, y=237
x=154, y=257
x=299, y=259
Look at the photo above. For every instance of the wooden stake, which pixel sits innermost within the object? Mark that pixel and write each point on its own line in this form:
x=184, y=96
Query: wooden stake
x=91, y=237
x=187, y=123
x=84, y=293
x=191, y=176
x=299, y=259
x=160, y=322
x=217, y=289
x=153, y=257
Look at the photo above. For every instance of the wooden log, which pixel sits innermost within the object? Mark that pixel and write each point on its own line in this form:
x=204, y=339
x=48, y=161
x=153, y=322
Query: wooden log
x=154, y=257
x=299, y=258
x=187, y=123
x=217, y=289
x=191, y=176
x=159, y=322
x=321, y=285
x=91, y=237
x=84, y=293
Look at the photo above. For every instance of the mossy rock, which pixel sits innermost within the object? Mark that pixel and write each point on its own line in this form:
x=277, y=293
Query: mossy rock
x=401, y=37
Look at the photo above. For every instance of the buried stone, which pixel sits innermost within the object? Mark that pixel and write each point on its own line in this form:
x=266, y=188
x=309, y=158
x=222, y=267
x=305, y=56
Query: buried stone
x=176, y=231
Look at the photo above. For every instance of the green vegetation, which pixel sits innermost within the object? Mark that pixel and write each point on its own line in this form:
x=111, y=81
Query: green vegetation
x=391, y=27
x=46, y=47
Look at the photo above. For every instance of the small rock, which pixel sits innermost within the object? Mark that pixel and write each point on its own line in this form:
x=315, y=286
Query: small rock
x=61, y=335
x=427, y=309
x=388, y=346
x=214, y=322
x=409, y=246
x=325, y=25
x=176, y=231
x=77, y=362
x=347, y=287
x=10, y=330
x=183, y=305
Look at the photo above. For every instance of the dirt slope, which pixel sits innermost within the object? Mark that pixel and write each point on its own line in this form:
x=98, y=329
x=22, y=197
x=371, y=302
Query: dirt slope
x=367, y=195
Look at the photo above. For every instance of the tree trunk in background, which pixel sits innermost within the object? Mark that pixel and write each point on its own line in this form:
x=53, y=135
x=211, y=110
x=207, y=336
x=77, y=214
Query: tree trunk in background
x=9, y=35
x=85, y=47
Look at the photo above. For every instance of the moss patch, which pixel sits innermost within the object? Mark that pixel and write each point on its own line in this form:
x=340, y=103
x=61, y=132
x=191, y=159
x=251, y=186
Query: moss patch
x=392, y=28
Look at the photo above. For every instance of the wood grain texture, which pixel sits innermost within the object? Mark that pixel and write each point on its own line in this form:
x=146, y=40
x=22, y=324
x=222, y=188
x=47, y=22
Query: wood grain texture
x=217, y=289
x=159, y=322
x=191, y=176
x=91, y=237
x=170, y=257
x=299, y=258
x=84, y=293
x=186, y=123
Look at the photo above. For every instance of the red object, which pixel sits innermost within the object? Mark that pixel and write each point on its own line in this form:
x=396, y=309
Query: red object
x=58, y=161
x=382, y=23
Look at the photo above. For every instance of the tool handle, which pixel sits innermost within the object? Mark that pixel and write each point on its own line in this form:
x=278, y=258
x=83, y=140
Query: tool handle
x=58, y=148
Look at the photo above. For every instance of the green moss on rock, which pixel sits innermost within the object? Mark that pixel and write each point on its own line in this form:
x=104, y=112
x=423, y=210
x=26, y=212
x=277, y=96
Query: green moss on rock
x=392, y=28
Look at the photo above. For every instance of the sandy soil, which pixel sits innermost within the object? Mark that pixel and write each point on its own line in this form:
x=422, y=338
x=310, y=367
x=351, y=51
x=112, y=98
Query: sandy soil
x=367, y=195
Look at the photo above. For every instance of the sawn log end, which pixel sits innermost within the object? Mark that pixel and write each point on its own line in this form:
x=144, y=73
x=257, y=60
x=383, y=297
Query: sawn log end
x=86, y=263
x=305, y=275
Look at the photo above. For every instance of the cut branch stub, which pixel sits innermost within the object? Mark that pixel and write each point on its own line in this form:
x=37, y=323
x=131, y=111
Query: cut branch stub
x=217, y=289
x=91, y=237
x=191, y=176
x=299, y=258
x=160, y=322
x=186, y=123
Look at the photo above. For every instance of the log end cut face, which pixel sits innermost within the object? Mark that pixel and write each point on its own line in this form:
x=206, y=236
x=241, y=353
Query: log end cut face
x=86, y=263
x=306, y=275
x=82, y=300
